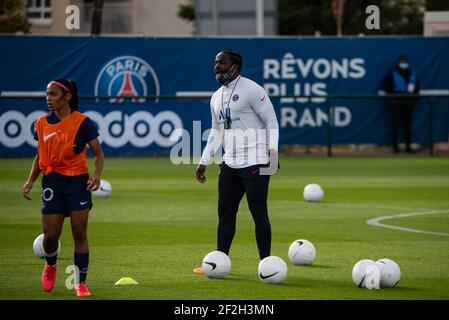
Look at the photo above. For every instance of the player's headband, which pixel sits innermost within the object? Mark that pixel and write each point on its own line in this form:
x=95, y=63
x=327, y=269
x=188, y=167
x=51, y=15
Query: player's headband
x=59, y=84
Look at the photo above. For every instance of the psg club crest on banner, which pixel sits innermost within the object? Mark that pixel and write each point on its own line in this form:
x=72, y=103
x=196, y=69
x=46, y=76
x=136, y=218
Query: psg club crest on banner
x=127, y=79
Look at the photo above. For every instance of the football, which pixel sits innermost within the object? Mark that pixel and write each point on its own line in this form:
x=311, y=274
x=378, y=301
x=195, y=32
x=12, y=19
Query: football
x=272, y=270
x=38, y=246
x=391, y=273
x=216, y=264
x=359, y=272
x=313, y=192
x=104, y=191
x=302, y=252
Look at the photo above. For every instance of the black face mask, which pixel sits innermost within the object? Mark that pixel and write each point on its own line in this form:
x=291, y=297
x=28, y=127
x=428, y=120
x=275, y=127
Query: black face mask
x=225, y=77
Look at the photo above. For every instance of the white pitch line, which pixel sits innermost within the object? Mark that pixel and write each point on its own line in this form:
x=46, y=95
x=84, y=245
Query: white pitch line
x=375, y=222
x=374, y=206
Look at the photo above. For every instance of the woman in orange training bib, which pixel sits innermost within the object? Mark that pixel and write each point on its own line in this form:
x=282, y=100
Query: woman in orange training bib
x=66, y=186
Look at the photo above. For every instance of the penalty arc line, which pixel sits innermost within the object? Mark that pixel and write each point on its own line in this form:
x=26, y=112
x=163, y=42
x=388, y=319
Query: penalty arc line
x=375, y=222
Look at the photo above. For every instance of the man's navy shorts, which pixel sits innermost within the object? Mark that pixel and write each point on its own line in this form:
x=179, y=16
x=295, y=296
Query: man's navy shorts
x=64, y=194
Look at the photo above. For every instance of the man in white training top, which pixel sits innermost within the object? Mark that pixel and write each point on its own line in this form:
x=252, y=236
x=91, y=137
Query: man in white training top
x=244, y=122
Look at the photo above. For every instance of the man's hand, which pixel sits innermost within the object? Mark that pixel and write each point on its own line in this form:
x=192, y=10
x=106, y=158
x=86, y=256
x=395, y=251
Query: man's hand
x=273, y=164
x=94, y=183
x=200, y=173
x=26, y=189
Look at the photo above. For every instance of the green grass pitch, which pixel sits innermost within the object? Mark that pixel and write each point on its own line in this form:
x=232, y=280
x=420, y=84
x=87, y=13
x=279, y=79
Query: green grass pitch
x=160, y=223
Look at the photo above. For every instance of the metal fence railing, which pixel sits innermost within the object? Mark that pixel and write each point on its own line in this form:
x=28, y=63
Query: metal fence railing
x=329, y=99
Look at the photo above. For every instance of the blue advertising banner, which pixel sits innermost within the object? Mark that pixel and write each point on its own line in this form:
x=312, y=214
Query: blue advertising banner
x=129, y=68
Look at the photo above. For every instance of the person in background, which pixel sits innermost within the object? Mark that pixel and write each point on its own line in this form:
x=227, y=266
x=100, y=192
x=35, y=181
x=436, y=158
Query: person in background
x=402, y=80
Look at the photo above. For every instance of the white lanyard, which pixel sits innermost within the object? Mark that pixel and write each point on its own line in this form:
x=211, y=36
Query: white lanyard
x=230, y=97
